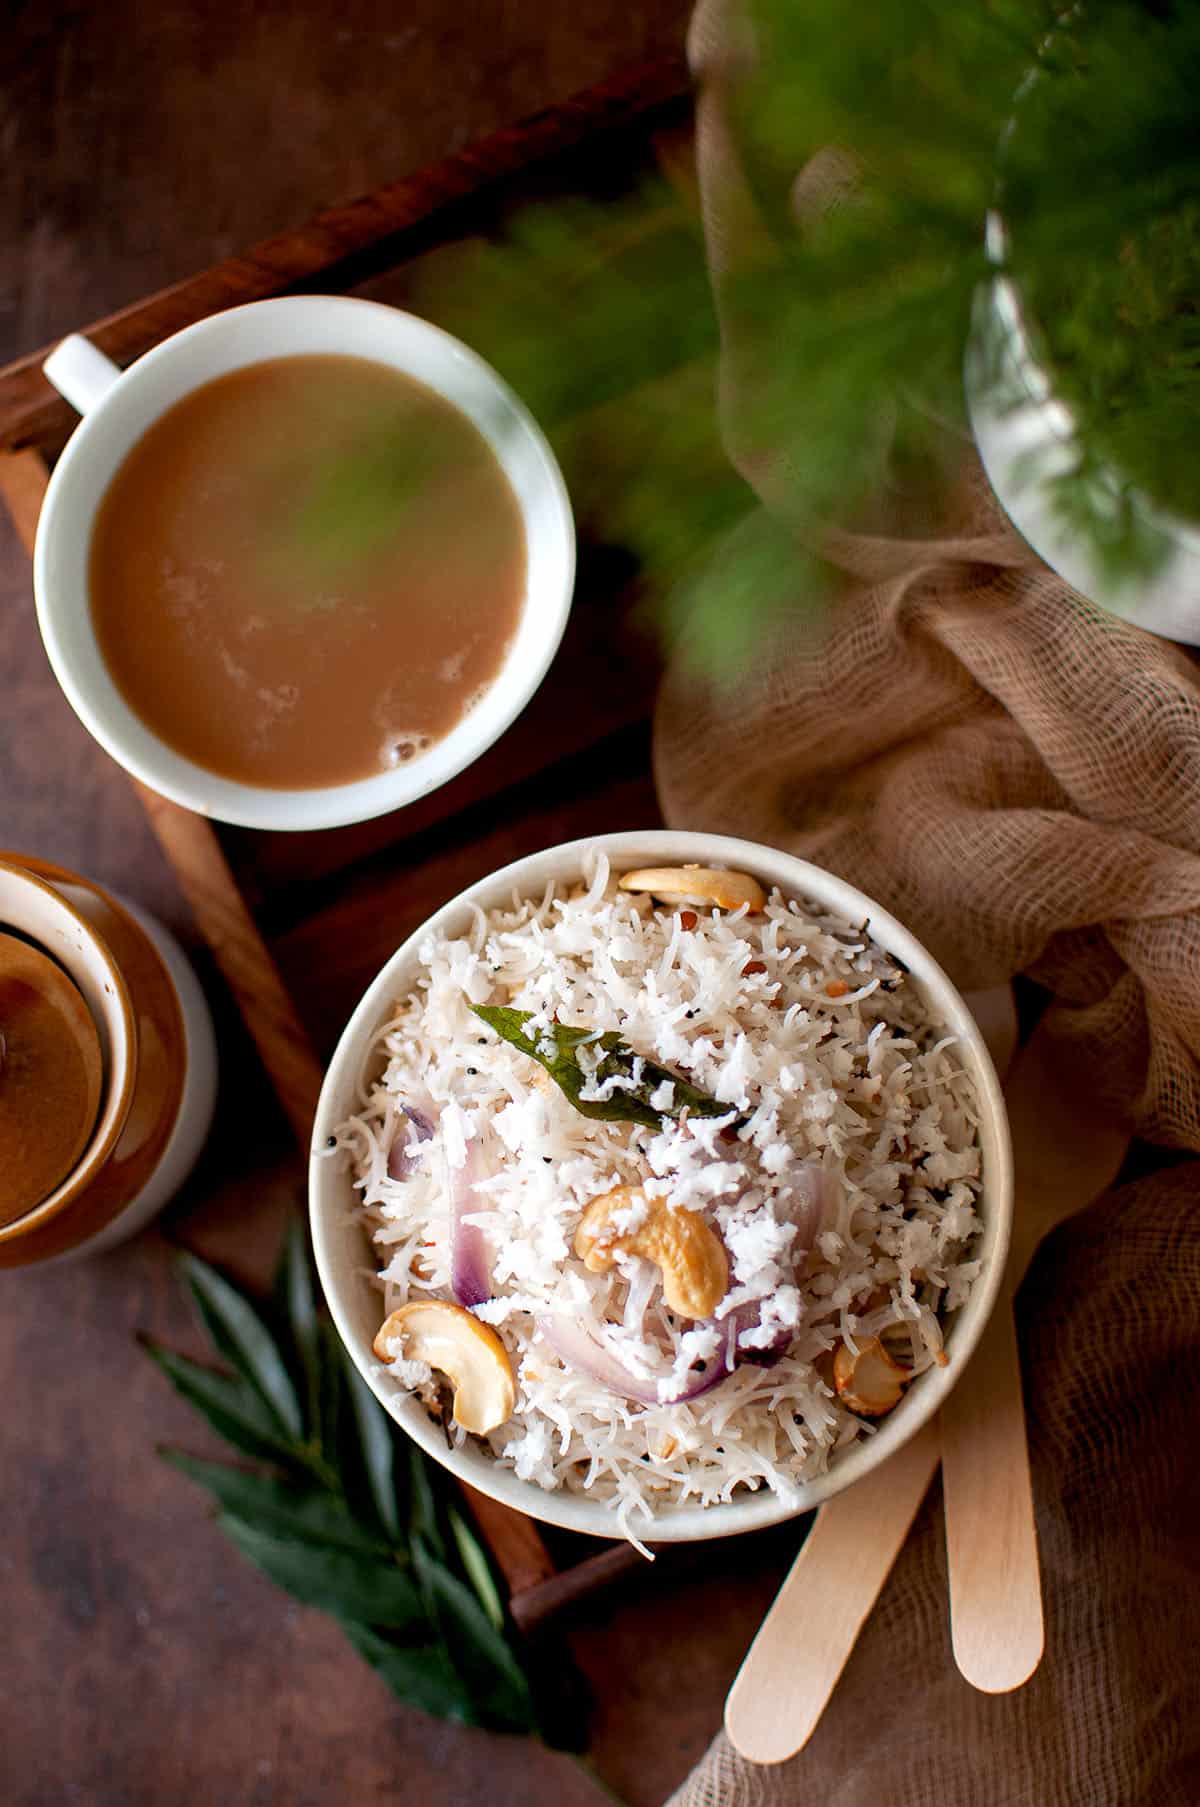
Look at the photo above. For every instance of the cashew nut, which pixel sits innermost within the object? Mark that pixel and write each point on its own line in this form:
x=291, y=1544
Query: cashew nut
x=869, y=1382
x=695, y=1269
x=698, y=885
x=469, y=1354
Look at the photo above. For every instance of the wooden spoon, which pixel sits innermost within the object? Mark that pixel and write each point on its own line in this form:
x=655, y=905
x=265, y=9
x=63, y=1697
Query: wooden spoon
x=1066, y=1151
x=805, y=1641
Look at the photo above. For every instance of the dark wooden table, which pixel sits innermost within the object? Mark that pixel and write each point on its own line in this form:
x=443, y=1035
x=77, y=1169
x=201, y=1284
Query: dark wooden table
x=143, y=1661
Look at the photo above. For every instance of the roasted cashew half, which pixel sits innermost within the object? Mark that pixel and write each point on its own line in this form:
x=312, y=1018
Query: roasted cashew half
x=467, y=1352
x=695, y=1268
x=870, y=1382
x=703, y=885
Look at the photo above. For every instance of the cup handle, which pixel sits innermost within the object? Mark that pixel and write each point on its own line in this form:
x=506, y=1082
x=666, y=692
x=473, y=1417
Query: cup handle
x=80, y=373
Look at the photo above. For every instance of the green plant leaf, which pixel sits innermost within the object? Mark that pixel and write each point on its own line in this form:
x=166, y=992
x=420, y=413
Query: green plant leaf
x=480, y=1653
x=423, y=1518
x=306, y=1514
x=234, y=1409
x=478, y=1573
x=331, y=1528
x=330, y=1387
x=294, y=1289
x=337, y=1581
x=556, y=1049
x=376, y=1446
x=245, y=1342
x=421, y=1675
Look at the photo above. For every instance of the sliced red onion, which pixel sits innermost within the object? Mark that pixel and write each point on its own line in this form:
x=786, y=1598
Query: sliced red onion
x=749, y=1317
x=579, y=1347
x=470, y=1262
x=470, y=1265
x=421, y=1113
x=811, y=1197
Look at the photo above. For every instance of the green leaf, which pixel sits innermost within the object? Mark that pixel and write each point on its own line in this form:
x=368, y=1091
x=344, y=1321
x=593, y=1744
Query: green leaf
x=314, y=1528
x=481, y=1654
x=421, y=1675
x=234, y=1409
x=376, y=1445
x=330, y=1389
x=337, y=1581
x=478, y=1573
x=423, y=1521
x=306, y=1514
x=294, y=1288
x=556, y=1049
x=244, y=1340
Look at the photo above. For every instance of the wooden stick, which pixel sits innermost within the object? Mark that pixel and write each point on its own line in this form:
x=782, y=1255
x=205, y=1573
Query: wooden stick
x=198, y=860
x=996, y=1620
x=24, y=477
x=1065, y=1154
x=386, y=226
x=805, y=1641
x=535, y=1604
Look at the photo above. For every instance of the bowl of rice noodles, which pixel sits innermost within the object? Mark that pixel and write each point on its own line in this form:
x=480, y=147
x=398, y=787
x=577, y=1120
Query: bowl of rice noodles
x=661, y=1186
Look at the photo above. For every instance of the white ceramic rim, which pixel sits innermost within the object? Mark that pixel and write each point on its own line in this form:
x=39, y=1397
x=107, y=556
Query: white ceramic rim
x=233, y=340
x=347, y=1281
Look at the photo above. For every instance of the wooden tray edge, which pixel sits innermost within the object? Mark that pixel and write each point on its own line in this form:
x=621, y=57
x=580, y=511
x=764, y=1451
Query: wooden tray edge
x=33, y=413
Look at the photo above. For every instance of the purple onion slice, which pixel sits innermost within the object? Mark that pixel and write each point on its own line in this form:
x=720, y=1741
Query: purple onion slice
x=421, y=1114
x=579, y=1347
x=470, y=1261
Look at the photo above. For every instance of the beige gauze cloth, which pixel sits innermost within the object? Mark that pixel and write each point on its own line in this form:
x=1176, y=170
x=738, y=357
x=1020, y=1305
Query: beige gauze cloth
x=1016, y=776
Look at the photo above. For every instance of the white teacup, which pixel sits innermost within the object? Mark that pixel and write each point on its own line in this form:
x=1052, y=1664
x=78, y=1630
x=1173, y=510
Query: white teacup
x=120, y=406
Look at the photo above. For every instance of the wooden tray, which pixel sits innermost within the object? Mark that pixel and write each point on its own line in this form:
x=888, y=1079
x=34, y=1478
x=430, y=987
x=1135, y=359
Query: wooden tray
x=300, y=923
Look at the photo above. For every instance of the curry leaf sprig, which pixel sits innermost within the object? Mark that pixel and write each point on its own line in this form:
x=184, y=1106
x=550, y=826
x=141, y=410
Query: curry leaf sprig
x=556, y=1049
x=338, y=1509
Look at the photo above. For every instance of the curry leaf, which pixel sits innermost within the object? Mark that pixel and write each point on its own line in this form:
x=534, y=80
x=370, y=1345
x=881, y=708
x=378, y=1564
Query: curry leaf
x=244, y=1340
x=233, y=1409
x=305, y=1514
x=421, y=1674
x=331, y=1389
x=294, y=1294
x=478, y=1573
x=342, y=1582
x=328, y=1523
x=422, y=1505
x=557, y=1050
x=481, y=1653
x=375, y=1443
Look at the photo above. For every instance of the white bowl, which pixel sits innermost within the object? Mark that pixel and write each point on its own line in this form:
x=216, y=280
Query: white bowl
x=120, y=406
x=346, y=1260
